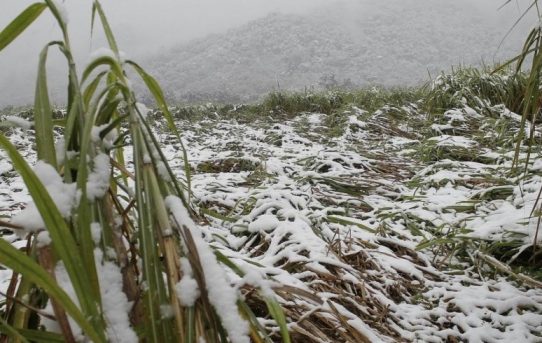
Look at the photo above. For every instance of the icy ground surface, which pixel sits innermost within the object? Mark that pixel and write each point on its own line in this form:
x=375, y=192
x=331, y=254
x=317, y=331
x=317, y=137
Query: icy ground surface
x=331, y=225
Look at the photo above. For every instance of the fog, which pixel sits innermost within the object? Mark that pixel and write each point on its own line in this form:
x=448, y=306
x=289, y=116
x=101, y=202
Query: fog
x=145, y=27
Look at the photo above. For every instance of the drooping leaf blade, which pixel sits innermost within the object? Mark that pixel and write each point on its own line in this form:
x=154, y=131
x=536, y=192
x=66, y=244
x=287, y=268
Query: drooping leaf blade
x=19, y=24
x=43, y=114
x=276, y=312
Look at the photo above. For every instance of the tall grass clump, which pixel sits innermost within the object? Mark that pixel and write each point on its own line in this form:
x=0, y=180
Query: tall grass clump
x=480, y=89
x=112, y=252
x=530, y=58
x=370, y=99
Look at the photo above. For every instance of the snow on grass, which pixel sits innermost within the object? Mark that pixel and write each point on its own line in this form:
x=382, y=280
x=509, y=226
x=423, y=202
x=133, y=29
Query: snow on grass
x=222, y=296
x=187, y=289
x=98, y=179
x=455, y=141
x=102, y=52
x=290, y=199
x=20, y=122
x=339, y=221
x=263, y=223
x=116, y=306
x=96, y=232
x=62, y=11
x=64, y=196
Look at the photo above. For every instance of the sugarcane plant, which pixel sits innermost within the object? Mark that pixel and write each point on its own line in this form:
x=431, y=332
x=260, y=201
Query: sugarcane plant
x=529, y=58
x=113, y=250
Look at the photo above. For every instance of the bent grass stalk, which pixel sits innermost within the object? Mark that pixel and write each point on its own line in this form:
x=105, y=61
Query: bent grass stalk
x=134, y=225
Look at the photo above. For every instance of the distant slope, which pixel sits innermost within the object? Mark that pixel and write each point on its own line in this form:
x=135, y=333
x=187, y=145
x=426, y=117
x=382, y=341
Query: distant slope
x=396, y=42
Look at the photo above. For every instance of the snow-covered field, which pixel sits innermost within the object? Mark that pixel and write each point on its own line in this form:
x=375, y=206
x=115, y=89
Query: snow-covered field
x=385, y=232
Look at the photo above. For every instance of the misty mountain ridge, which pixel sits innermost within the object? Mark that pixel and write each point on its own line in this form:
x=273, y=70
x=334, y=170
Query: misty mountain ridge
x=394, y=43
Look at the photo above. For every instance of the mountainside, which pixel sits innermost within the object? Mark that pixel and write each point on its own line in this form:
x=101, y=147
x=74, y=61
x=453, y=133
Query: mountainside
x=392, y=43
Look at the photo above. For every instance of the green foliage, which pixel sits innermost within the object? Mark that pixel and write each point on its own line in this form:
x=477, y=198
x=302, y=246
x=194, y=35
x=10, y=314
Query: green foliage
x=479, y=89
x=369, y=99
x=19, y=24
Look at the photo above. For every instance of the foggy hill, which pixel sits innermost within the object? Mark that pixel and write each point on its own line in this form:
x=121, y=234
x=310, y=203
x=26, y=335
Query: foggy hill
x=396, y=42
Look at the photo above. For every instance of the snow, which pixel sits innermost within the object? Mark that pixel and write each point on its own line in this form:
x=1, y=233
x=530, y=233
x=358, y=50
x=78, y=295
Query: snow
x=43, y=239
x=98, y=179
x=187, y=289
x=115, y=303
x=64, y=196
x=62, y=11
x=102, y=52
x=143, y=110
x=162, y=171
x=263, y=223
x=20, y=122
x=96, y=232
x=457, y=141
x=167, y=311
x=60, y=147
x=63, y=280
x=95, y=132
x=221, y=295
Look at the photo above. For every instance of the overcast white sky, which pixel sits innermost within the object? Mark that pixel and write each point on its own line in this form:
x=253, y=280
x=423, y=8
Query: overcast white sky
x=141, y=26
x=156, y=22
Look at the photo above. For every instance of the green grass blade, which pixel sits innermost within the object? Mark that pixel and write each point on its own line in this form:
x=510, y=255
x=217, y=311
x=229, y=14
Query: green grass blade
x=19, y=262
x=256, y=328
x=87, y=208
x=19, y=24
x=21, y=314
x=92, y=86
x=43, y=115
x=158, y=94
x=41, y=336
x=58, y=16
x=97, y=8
x=71, y=133
x=276, y=312
x=100, y=61
x=92, y=19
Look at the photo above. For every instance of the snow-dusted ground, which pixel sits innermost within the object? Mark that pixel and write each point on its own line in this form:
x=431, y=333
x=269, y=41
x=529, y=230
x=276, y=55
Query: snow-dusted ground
x=332, y=225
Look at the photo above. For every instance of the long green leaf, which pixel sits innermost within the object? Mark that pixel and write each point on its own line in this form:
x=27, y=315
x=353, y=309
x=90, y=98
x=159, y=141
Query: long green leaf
x=87, y=208
x=43, y=114
x=57, y=14
x=99, y=61
x=41, y=336
x=97, y=7
x=158, y=94
x=276, y=312
x=19, y=24
x=19, y=262
x=92, y=86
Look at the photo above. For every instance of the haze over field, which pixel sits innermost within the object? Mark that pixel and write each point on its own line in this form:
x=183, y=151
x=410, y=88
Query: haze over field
x=206, y=50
